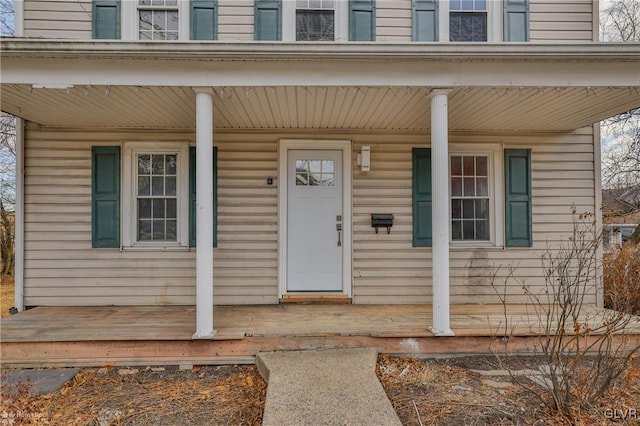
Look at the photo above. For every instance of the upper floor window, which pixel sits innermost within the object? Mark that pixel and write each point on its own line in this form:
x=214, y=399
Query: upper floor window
x=468, y=20
x=158, y=20
x=315, y=20
x=304, y=20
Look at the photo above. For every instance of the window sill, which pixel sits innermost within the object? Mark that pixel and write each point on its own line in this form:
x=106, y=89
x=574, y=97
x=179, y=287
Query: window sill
x=155, y=248
x=461, y=247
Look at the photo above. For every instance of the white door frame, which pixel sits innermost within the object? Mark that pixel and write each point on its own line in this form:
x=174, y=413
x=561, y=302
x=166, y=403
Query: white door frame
x=284, y=145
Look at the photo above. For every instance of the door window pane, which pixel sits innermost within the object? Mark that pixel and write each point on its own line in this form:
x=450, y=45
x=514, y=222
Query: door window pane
x=315, y=173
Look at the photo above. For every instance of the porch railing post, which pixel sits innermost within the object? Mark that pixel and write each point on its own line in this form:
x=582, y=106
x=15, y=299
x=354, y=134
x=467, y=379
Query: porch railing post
x=440, y=208
x=204, y=214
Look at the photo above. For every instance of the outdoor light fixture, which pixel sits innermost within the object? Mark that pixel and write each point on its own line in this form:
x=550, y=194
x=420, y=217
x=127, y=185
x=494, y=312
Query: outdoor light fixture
x=365, y=159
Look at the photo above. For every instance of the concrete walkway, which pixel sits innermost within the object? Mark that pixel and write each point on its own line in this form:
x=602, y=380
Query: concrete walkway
x=327, y=387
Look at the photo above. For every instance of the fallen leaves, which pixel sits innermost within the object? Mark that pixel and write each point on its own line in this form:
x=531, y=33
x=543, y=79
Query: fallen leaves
x=156, y=395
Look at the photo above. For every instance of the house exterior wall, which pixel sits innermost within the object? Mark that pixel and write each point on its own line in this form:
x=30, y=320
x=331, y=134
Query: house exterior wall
x=61, y=268
x=67, y=19
x=235, y=20
x=550, y=20
x=393, y=21
x=561, y=20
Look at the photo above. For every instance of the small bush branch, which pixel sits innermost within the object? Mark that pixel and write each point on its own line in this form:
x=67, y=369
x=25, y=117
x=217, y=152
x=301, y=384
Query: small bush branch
x=582, y=351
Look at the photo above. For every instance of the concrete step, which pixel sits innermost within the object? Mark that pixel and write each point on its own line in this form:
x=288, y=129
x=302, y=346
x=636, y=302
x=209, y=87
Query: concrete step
x=324, y=387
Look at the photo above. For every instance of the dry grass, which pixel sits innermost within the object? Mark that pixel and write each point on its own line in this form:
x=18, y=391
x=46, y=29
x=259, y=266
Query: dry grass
x=427, y=392
x=622, y=279
x=225, y=395
x=447, y=392
x=6, y=296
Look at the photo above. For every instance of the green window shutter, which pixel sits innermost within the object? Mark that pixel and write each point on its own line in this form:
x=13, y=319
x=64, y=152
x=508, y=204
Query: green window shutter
x=362, y=20
x=422, y=234
x=268, y=19
x=106, y=19
x=425, y=20
x=105, y=196
x=518, y=216
x=516, y=20
x=192, y=196
x=204, y=19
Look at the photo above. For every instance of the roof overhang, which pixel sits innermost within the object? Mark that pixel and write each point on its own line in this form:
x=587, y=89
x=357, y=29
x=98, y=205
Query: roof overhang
x=520, y=86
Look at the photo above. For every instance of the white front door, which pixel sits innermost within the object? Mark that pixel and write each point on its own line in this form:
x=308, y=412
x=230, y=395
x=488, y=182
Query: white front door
x=314, y=212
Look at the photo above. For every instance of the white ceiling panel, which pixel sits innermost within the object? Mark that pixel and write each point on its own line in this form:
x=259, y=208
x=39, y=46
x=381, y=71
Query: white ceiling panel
x=353, y=108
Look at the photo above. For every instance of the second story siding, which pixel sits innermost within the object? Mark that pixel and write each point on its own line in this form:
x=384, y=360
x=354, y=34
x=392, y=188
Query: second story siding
x=549, y=20
x=235, y=20
x=393, y=21
x=561, y=20
x=68, y=19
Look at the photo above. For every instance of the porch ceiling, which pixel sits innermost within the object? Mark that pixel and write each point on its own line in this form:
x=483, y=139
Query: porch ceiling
x=320, y=107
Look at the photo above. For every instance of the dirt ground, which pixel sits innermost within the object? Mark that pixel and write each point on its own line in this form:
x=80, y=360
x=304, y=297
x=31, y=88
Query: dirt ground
x=223, y=395
x=423, y=392
x=448, y=392
x=6, y=296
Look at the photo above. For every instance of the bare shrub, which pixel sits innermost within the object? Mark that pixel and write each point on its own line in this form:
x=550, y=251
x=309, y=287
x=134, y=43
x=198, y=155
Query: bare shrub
x=582, y=351
x=621, y=273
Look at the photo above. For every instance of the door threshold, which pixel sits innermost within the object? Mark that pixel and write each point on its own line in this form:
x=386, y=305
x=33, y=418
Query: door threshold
x=315, y=298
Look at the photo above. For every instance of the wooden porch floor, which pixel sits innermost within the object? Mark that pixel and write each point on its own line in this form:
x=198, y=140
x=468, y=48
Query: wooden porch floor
x=157, y=334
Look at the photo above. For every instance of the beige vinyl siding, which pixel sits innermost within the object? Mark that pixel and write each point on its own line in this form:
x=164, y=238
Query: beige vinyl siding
x=61, y=268
x=393, y=21
x=235, y=20
x=72, y=19
x=388, y=269
x=57, y=19
x=561, y=20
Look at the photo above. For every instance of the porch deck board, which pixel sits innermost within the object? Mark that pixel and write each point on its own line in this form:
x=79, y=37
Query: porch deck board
x=175, y=323
x=145, y=335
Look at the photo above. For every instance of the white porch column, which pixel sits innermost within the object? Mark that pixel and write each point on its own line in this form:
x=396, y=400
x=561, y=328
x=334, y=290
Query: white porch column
x=19, y=217
x=440, y=211
x=204, y=214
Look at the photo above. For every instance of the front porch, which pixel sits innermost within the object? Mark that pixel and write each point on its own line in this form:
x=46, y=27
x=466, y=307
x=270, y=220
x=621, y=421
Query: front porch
x=144, y=335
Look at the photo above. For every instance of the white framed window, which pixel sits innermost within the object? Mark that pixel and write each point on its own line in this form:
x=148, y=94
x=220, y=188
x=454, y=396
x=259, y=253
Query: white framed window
x=147, y=20
x=155, y=195
x=467, y=20
x=158, y=20
x=315, y=20
x=476, y=201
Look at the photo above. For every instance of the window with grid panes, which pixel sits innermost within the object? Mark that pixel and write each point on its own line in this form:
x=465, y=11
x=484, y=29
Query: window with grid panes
x=468, y=20
x=315, y=20
x=157, y=197
x=158, y=20
x=470, y=197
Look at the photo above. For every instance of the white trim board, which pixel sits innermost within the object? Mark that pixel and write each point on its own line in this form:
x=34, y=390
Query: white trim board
x=284, y=145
